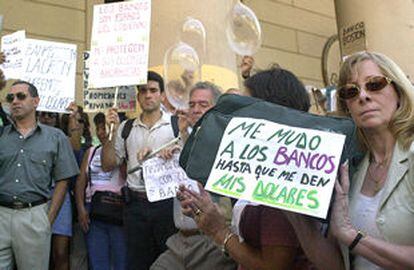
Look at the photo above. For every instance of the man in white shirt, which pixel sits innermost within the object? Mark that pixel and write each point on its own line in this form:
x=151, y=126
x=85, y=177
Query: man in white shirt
x=148, y=225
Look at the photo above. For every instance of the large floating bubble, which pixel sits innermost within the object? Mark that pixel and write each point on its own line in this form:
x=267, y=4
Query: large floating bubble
x=194, y=34
x=243, y=31
x=181, y=70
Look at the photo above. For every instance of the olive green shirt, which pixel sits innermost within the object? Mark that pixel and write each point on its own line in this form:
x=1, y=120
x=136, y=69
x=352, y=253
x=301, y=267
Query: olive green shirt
x=28, y=164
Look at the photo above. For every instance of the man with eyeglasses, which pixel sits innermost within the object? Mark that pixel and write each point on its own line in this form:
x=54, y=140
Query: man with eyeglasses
x=31, y=155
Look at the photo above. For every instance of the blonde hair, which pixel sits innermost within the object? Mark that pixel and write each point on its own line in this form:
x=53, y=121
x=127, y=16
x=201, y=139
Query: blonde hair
x=402, y=122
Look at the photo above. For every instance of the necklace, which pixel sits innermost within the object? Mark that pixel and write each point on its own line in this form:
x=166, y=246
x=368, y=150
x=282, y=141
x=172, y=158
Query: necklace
x=379, y=175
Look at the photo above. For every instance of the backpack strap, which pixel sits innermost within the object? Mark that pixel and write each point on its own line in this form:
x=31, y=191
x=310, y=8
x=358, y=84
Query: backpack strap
x=126, y=130
x=89, y=163
x=174, y=125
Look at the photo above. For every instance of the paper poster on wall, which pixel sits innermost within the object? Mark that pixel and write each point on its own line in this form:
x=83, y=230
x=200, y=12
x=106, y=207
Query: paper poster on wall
x=101, y=99
x=277, y=165
x=353, y=39
x=51, y=67
x=120, y=44
x=13, y=46
x=163, y=177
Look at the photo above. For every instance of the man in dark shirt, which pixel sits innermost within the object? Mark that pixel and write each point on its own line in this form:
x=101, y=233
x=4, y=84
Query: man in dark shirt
x=31, y=155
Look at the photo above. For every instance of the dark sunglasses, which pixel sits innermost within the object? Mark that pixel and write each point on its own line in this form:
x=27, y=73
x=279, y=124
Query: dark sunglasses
x=377, y=83
x=19, y=95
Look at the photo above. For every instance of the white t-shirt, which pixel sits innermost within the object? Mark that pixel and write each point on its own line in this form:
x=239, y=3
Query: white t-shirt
x=101, y=181
x=141, y=136
x=363, y=214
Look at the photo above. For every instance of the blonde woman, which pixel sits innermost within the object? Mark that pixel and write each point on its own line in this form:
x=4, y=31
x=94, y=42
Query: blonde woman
x=373, y=214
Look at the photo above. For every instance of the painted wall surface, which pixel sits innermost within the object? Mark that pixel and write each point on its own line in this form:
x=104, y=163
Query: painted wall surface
x=294, y=31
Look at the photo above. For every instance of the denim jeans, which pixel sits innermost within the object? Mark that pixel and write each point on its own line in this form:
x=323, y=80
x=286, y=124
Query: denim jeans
x=106, y=246
x=148, y=227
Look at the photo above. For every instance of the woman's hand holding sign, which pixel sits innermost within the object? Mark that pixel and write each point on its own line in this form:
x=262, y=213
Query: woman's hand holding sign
x=341, y=225
x=206, y=214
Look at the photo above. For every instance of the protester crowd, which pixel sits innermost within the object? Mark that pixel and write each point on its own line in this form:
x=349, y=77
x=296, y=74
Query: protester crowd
x=66, y=203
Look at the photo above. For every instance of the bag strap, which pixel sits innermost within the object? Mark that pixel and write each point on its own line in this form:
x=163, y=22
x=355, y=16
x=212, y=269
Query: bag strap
x=126, y=130
x=174, y=125
x=89, y=164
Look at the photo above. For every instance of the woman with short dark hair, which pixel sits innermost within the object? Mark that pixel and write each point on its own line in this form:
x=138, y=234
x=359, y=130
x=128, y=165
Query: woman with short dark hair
x=269, y=239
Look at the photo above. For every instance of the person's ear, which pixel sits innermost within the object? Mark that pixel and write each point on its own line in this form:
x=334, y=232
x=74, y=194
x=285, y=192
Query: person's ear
x=36, y=101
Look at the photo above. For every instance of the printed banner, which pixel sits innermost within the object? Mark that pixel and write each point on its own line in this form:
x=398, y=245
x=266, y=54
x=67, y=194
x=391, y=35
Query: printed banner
x=101, y=99
x=51, y=67
x=13, y=46
x=163, y=177
x=120, y=44
x=277, y=165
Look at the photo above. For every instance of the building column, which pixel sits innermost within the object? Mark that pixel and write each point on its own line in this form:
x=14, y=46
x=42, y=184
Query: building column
x=381, y=26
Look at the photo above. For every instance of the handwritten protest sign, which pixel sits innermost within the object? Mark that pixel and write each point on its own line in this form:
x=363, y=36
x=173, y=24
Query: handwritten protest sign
x=120, y=44
x=51, y=67
x=101, y=99
x=277, y=165
x=163, y=177
x=13, y=46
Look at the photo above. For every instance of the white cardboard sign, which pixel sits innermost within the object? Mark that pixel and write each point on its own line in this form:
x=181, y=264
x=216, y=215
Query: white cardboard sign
x=13, y=46
x=51, y=67
x=101, y=99
x=277, y=165
x=163, y=177
x=120, y=44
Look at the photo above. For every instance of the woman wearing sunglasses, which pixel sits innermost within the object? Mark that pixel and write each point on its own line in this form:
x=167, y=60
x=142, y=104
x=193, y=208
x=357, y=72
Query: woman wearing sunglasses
x=373, y=215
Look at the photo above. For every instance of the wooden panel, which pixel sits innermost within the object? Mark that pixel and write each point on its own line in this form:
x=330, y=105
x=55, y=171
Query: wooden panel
x=79, y=89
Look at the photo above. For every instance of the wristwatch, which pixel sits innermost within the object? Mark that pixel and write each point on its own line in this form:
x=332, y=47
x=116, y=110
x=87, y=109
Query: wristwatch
x=358, y=237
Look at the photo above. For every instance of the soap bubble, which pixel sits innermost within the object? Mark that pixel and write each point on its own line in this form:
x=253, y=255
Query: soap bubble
x=243, y=31
x=181, y=70
x=194, y=34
